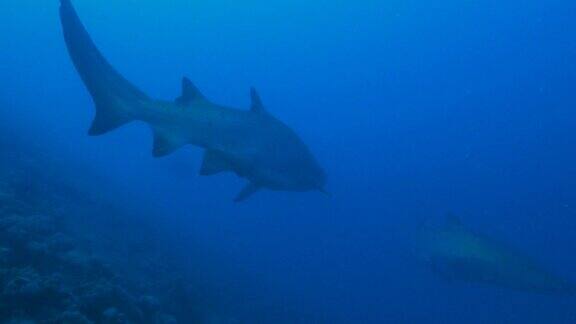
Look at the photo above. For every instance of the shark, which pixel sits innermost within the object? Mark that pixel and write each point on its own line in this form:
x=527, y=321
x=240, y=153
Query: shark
x=251, y=143
x=457, y=253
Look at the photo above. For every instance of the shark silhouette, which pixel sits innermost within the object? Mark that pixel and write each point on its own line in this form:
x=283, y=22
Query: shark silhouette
x=251, y=143
x=457, y=253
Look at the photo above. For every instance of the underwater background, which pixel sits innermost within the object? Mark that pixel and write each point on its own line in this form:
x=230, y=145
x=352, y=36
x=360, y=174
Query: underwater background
x=414, y=108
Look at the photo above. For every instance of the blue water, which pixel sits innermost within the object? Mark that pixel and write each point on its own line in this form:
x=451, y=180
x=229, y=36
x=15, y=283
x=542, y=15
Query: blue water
x=414, y=109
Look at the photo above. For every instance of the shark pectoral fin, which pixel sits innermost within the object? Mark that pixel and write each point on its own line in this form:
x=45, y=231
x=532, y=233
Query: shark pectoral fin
x=250, y=189
x=257, y=105
x=190, y=93
x=165, y=145
x=214, y=163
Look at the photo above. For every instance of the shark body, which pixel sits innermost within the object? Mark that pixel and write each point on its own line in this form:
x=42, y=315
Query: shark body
x=251, y=143
x=457, y=253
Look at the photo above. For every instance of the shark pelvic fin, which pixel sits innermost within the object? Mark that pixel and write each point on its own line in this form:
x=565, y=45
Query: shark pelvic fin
x=190, y=93
x=250, y=189
x=165, y=145
x=214, y=163
x=257, y=105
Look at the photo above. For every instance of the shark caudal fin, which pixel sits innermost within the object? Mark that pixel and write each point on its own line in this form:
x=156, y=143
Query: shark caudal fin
x=115, y=98
x=249, y=190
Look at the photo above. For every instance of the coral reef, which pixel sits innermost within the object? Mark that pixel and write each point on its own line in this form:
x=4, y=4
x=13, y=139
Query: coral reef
x=50, y=274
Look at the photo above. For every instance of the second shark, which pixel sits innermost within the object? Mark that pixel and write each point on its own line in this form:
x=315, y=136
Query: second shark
x=456, y=253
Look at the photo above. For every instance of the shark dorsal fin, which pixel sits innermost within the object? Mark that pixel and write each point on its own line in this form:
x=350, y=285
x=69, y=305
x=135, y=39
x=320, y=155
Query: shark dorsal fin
x=190, y=93
x=250, y=189
x=257, y=105
x=453, y=221
x=214, y=163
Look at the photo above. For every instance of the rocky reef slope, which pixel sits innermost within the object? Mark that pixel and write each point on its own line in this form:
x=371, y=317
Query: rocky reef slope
x=51, y=270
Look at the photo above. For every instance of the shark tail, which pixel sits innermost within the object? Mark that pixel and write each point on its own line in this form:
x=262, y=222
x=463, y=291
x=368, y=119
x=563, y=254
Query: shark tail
x=115, y=97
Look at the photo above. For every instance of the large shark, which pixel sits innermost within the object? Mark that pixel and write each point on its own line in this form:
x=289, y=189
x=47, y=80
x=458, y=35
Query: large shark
x=251, y=143
x=456, y=253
